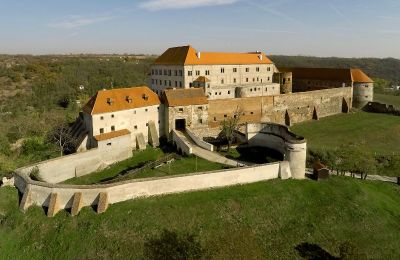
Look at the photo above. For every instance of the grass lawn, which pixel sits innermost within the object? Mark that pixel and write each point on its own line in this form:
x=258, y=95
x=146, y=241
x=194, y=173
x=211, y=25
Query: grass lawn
x=387, y=99
x=265, y=220
x=139, y=158
x=378, y=133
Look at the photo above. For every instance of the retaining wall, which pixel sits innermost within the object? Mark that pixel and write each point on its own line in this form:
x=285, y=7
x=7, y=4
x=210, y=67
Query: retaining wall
x=199, y=141
x=40, y=193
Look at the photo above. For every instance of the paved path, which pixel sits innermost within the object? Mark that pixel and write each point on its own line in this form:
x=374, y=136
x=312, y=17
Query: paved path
x=205, y=154
x=369, y=177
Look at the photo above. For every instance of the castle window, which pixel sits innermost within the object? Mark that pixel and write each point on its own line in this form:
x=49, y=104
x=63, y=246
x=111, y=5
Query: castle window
x=128, y=99
x=169, y=72
x=207, y=72
x=225, y=115
x=160, y=72
x=112, y=115
x=234, y=80
x=180, y=84
x=110, y=101
x=258, y=69
x=109, y=144
x=176, y=73
x=200, y=121
x=200, y=108
x=180, y=109
x=190, y=73
x=101, y=130
x=288, y=79
x=147, y=124
x=215, y=119
x=156, y=72
x=222, y=81
x=169, y=83
x=222, y=70
x=266, y=89
x=247, y=69
x=229, y=92
x=135, y=127
x=251, y=113
x=145, y=97
x=234, y=69
x=269, y=78
x=216, y=93
x=247, y=79
x=112, y=128
x=176, y=83
x=197, y=72
x=269, y=69
x=180, y=72
x=102, y=118
x=134, y=111
x=254, y=79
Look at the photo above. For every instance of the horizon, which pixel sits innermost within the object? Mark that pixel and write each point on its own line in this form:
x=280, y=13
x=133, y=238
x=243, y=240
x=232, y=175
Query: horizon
x=310, y=28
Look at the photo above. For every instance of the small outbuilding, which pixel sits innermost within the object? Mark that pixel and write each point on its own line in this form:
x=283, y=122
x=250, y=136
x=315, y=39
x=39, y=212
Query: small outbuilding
x=321, y=172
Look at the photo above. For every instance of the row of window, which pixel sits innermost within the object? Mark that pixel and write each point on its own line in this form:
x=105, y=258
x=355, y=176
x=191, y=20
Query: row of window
x=113, y=128
x=198, y=108
x=207, y=72
x=166, y=72
x=166, y=83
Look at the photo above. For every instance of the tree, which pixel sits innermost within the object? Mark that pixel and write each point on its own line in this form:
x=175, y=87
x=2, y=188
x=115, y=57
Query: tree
x=62, y=137
x=230, y=125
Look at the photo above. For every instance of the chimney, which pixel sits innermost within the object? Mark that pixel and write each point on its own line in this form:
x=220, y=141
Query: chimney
x=198, y=54
x=260, y=57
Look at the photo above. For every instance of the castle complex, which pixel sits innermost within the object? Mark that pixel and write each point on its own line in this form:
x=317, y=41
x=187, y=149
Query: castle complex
x=191, y=93
x=198, y=90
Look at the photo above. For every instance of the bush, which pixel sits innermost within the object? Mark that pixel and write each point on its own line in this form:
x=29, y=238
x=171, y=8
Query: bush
x=4, y=145
x=33, y=145
x=171, y=245
x=34, y=174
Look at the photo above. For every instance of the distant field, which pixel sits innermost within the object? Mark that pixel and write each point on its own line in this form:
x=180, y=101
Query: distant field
x=387, y=99
x=378, y=133
x=265, y=220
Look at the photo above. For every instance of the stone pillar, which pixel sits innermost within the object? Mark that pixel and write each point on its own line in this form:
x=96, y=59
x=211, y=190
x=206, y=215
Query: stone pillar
x=102, y=204
x=26, y=201
x=54, y=205
x=296, y=154
x=77, y=203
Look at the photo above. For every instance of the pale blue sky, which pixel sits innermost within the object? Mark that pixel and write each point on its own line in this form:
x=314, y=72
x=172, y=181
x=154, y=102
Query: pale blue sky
x=347, y=28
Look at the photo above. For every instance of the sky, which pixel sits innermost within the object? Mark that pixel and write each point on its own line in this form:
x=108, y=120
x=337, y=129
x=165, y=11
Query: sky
x=344, y=28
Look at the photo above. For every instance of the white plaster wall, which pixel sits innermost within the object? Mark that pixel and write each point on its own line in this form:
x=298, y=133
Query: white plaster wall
x=160, y=82
x=260, y=90
x=75, y=165
x=199, y=141
x=135, y=120
x=185, y=147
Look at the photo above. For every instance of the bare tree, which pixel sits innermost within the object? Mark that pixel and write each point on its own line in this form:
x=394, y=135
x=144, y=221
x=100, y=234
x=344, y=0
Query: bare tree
x=61, y=136
x=230, y=125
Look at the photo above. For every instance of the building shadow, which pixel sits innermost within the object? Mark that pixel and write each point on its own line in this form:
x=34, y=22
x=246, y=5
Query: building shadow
x=313, y=252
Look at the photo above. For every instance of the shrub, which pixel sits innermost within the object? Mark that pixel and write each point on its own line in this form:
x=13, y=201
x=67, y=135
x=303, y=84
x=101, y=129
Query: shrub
x=34, y=174
x=171, y=245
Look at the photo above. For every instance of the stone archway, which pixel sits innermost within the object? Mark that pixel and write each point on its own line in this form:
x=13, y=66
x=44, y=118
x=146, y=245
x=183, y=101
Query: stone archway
x=287, y=119
x=315, y=114
x=345, y=106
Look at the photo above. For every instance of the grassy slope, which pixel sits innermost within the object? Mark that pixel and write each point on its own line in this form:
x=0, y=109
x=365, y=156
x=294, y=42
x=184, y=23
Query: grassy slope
x=180, y=166
x=387, y=99
x=256, y=221
x=377, y=132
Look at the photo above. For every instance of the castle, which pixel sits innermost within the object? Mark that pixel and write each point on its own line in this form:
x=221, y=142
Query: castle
x=197, y=90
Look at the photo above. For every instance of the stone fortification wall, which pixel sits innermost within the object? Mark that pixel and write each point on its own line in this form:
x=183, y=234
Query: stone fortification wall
x=278, y=137
x=76, y=165
x=363, y=93
x=283, y=109
x=57, y=197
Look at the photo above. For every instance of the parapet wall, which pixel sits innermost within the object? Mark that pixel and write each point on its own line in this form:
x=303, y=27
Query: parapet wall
x=278, y=137
x=57, y=196
x=79, y=164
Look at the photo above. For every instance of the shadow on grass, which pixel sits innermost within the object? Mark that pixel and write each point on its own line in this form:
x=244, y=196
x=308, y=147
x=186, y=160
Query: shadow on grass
x=256, y=154
x=313, y=252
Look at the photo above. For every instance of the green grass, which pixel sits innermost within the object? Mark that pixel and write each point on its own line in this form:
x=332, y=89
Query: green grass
x=265, y=220
x=180, y=166
x=387, y=99
x=378, y=133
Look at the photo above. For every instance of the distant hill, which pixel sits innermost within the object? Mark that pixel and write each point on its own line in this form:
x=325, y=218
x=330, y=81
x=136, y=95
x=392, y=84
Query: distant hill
x=388, y=68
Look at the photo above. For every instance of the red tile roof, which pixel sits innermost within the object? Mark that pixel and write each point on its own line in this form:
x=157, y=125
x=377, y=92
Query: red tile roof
x=185, y=97
x=112, y=100
x=110, y=135
x=187, y=55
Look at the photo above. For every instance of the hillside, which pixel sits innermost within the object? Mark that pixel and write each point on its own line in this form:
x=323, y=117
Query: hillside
x=388, y=68
x=267, y=220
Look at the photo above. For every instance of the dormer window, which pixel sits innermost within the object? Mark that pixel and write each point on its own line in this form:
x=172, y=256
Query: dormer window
x=145, y=97
x=128, y=99
x=110, y=101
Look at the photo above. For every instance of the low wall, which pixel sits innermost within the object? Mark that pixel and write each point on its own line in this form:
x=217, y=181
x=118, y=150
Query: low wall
x=199, y=141
x=180, y=144
x=40, y=193
x=79, y=164
x=278, y=137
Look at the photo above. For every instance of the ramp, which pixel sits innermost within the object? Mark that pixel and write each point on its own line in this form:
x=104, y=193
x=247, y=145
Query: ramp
x=203, y=153
x=154, y=139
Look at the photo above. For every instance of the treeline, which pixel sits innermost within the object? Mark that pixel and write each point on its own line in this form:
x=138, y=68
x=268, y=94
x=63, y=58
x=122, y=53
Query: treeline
x=388, y=69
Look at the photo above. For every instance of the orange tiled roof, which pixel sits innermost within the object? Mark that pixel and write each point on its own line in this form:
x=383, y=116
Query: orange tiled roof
x=202, y=79
x=112, y=100
x=185, y=97
x=110, y=135
x=342, y=75
x=186, y=55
